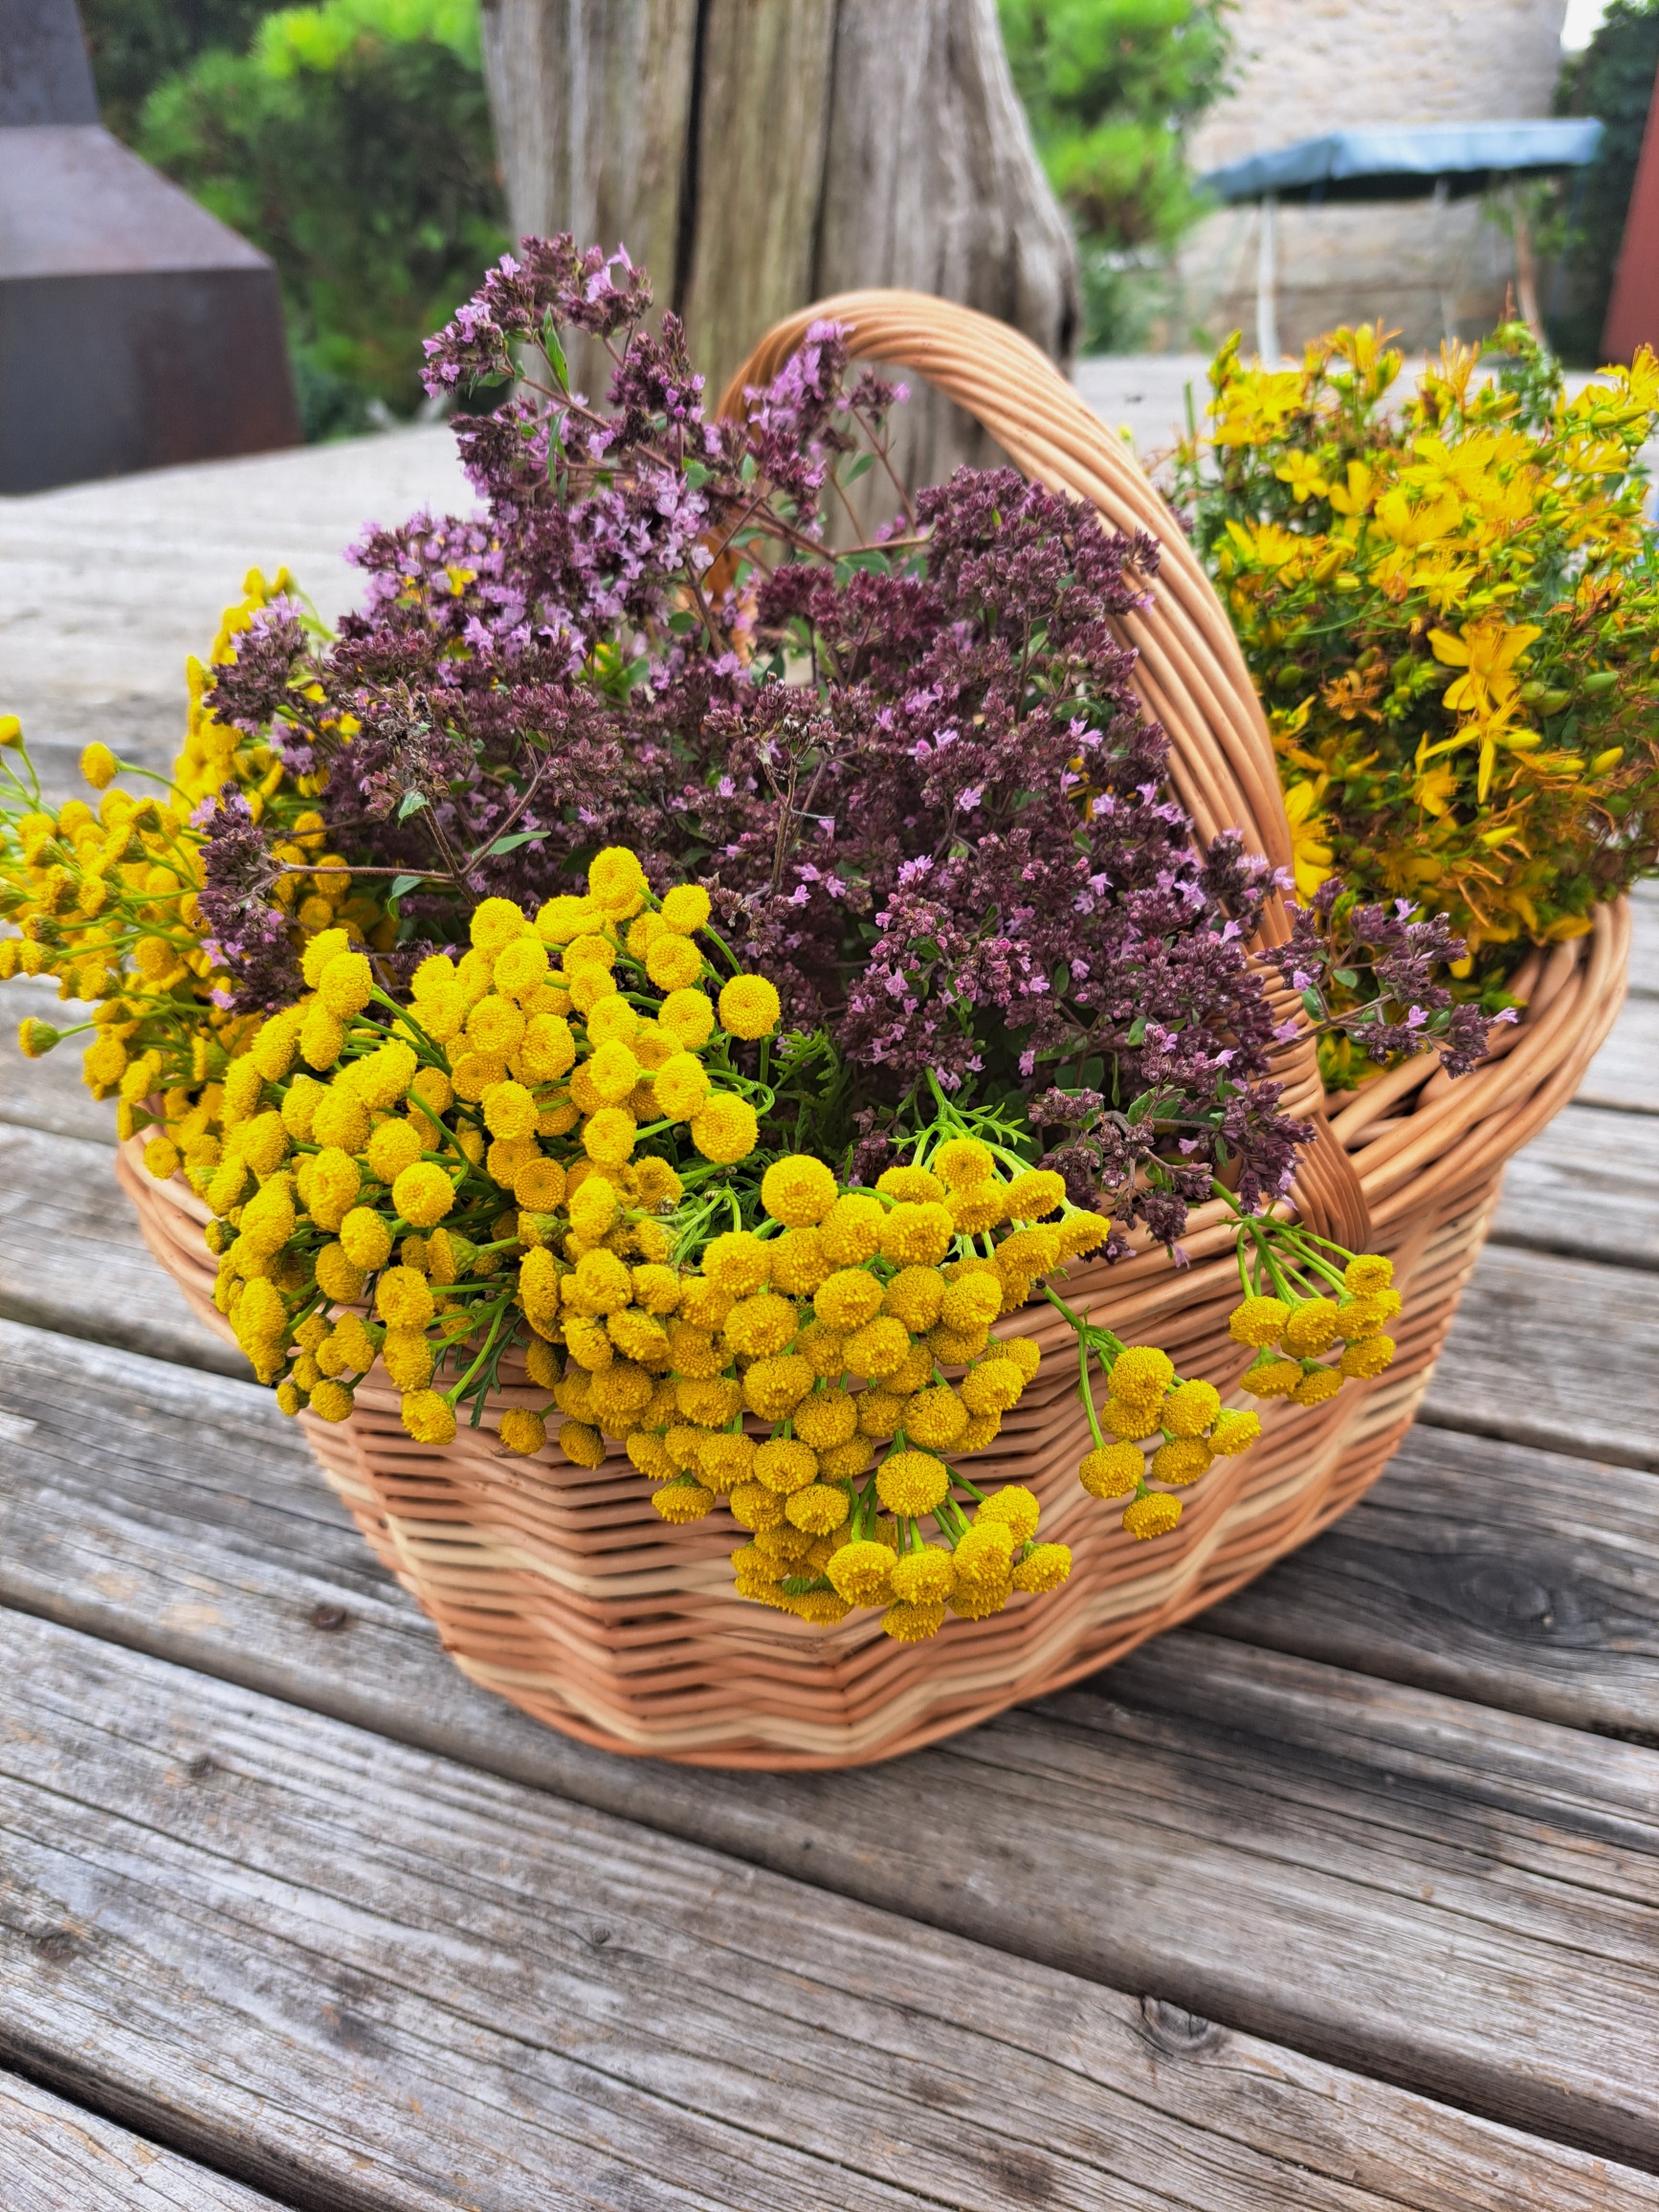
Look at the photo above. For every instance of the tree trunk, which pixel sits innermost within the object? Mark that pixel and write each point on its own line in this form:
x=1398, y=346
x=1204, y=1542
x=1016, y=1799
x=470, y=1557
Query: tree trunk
x=757, y=154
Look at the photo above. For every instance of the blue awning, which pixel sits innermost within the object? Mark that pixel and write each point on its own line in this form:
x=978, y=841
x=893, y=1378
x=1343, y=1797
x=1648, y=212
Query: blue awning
x=1395, y=162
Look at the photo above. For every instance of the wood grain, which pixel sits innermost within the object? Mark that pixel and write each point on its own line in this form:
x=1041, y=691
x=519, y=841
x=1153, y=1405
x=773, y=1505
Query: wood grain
x=72, y=1257
x=1521, y=1580
x=1645, y=937
x=832, y=144
x=1557, y=1354
x=47, y=1093
x=1244, y=1834
x=1589, y=1184
x=390, y=1980
x=1625, y=1074
x=56, y=2157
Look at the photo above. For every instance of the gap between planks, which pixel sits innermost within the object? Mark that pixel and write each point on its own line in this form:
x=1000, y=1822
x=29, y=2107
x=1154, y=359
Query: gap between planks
x=1404, y=1884
x=55, y=2156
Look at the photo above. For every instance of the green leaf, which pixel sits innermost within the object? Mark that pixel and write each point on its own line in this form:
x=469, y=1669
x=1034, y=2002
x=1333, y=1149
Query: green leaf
x=555, y=354
x=867, y=557
x=403, y=885
x=513, y=843
x=1136, y=1031
x=1346, y=977
x=410, y=803
x=863, y=462
x=697, y=475
x=1313, y=1005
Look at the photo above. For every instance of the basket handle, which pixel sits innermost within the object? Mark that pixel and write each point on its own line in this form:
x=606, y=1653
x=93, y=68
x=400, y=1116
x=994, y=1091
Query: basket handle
x=1189, y=672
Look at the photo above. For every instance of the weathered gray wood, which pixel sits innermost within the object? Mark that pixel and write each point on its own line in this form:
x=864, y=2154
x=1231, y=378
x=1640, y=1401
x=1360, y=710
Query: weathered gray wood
x=47, y=1093
x=72, y=1257
x=765, y=132
x=107, y=587
x=1587, y=1185
x=837, y=144
x=1555, y=1353
x=592, y=102
x=56, y=2158
x=376, y=1973
x=1235, y=1852
x=931, y=183
x=1625, y=1074
x=1513, y=1578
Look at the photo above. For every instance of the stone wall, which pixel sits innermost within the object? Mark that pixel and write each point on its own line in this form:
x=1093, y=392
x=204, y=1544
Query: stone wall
x=1309, y=66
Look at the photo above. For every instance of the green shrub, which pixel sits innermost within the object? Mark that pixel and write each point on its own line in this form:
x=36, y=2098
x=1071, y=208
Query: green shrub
x=1110, y=87
x=351, y=141
x=1613, y=80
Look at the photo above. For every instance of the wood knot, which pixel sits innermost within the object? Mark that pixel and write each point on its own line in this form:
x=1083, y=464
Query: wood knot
x=328, y=1618
x=1171, y=2028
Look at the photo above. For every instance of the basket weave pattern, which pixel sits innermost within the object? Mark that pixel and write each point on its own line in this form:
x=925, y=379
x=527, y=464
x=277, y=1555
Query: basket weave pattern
x=560, y=1589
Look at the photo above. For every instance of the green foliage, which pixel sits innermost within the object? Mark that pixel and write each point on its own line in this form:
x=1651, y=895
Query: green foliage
x=136, y=45
x=1613, y=80
x=350, y=140
x=1110, y=87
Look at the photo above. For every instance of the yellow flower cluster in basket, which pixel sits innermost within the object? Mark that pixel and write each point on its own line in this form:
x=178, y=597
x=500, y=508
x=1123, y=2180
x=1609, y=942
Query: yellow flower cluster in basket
x=105, y=901
x=1290, y=1332
x=1451, y=607
x=539, y=1150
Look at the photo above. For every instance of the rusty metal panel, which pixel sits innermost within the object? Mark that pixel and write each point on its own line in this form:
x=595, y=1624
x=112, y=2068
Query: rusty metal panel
x=136, y=331
x=104, y=375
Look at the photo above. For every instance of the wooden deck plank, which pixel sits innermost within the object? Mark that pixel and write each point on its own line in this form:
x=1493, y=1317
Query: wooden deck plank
x=1518, y=1579
x=72, y=1257
x=1557, y=1354
x=385, y=1975
x=47, y=1093
x=56, y=2157
x=1644, y=936
x=1589, y=1184
x=1625, y=1074
x=1197, y=1831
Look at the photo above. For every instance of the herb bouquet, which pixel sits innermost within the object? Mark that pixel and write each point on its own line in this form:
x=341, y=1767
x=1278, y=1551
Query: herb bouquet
x=717, y=1076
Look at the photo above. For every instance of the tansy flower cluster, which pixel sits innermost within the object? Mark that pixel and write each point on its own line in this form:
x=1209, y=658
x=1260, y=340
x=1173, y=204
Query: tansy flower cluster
x=444, y=1162
x=1450, y=610
x=111, y=900
x=824, y=1375
x=1155, y=1428
x=1305, y=1298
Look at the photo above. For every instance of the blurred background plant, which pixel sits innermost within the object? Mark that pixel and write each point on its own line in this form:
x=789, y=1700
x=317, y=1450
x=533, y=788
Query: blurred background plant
x=1111, y=88
x=350, y=140
x=1582, y=222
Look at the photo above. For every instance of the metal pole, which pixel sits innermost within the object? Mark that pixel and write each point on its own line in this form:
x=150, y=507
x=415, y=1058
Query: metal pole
x=1267, y=282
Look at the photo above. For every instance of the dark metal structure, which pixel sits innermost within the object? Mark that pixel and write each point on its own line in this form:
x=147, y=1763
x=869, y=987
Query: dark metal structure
x=136, y=330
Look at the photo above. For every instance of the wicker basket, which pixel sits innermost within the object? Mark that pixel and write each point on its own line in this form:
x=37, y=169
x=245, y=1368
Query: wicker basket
x=560, y=1588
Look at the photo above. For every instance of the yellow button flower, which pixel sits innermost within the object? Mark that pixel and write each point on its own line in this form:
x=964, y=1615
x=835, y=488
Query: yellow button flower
x=749, y=1007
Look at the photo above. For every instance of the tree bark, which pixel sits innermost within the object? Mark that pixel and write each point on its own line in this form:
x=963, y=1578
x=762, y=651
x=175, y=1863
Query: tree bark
x=757, y=154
